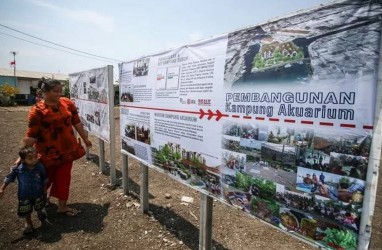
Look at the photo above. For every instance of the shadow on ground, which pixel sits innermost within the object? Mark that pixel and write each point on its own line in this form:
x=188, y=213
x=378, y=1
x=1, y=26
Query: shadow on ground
x=89, y=220
x=133, y=187
x=180, y=227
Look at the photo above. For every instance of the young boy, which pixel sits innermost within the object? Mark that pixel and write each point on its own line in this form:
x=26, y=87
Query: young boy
x=31, y=178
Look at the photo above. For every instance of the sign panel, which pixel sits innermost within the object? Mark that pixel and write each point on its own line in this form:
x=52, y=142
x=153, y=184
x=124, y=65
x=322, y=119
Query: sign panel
x=275, y=119
x=89, y=90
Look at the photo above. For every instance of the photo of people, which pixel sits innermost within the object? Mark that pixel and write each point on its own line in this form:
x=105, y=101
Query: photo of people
x=347, y=215
x=137, y=131
x=126, y=94
x=232, y=160
x=335, y=187
x=290, y=136
x=97, y=119
x=231, y=143
x=141, y=67
x=348, y=165
x=90, y=118
x=74, y=91
x=246, y=131
x=297, y=200
x=130, y=131
x=342, y=143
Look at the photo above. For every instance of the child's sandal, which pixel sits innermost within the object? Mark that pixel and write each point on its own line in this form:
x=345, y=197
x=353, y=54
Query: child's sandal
x=28, y=230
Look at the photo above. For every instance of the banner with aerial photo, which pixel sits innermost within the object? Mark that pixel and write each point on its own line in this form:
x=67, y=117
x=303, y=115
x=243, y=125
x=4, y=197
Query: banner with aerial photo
x=89, y=90
x=275, y=119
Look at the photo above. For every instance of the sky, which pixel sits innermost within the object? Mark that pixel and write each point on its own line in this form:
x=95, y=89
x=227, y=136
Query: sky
x=121, y=29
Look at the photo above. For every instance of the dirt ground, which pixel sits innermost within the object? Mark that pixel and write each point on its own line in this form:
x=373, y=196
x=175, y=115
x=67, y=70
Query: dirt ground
x=111, y=220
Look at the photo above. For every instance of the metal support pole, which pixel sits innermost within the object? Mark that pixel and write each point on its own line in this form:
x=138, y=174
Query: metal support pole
x=205, y=223
x=101, y=144
x=144, y=192
x=113, y=174
x=87, y=149
x=14, y=53
x=125, y=174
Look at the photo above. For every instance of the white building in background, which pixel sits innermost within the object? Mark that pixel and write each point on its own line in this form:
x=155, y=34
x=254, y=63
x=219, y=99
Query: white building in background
x=26, y=81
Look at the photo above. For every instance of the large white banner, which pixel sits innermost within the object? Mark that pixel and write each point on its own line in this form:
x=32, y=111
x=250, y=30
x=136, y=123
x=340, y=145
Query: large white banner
x=89, y=90
x=275, y=119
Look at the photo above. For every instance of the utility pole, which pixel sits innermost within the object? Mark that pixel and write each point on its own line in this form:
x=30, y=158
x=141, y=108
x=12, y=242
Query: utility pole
x=14, y=53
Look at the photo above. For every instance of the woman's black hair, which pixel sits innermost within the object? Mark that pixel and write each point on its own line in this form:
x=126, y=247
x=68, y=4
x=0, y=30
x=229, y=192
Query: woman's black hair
x=47, y=84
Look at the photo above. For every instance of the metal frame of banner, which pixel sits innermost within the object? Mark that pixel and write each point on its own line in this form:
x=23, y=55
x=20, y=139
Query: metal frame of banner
x=125, y=174
x=205, y=222
x=144, y=192
x=101, y=155
x=369, y=198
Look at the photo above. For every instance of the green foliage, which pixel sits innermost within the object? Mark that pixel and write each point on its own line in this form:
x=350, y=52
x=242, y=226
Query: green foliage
x=162, y=158
x=166, y=150
x=344, y=180
x=345, y=239
x=66, y=89
x=271, y=205
x=177, y=156
x=243, y=181
x=267, y=188
x=195, y=160
x=277, y=58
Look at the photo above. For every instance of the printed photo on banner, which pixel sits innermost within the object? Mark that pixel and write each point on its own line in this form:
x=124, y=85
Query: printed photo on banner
x=127, y=93
x=138, y=131
x=187, y=166
x=335, y=187
x=141, y=67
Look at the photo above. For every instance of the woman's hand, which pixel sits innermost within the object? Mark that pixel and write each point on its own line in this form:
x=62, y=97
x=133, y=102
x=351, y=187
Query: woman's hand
x=88, y=143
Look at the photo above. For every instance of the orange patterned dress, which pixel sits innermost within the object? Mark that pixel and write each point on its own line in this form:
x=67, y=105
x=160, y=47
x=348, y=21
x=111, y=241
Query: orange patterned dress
x=52, y=126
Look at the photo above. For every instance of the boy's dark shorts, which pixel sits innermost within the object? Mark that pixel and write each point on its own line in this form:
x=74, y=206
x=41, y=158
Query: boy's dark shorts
x=26, y=206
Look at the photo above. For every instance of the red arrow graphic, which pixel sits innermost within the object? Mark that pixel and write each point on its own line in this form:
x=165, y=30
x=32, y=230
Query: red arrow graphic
x=218, y=115
x=202, y=113
x=210, y=114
